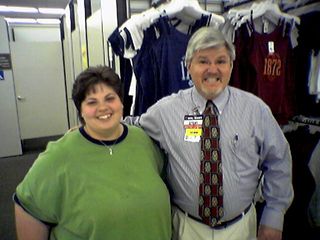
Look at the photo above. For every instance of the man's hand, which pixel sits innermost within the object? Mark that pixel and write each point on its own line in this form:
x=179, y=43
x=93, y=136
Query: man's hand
x=268, y=233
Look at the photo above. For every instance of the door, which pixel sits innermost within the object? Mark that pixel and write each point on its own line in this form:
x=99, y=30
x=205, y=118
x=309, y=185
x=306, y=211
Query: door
x=40, y=88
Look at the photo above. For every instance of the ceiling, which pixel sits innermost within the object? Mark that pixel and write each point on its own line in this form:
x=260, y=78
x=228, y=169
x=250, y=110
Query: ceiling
x=36, y=4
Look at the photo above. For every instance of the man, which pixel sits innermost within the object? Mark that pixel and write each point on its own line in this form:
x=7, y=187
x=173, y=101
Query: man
x=251, y=143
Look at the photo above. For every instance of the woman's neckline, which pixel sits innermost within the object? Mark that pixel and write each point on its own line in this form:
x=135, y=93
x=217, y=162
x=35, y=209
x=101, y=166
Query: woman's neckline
x=108, y=142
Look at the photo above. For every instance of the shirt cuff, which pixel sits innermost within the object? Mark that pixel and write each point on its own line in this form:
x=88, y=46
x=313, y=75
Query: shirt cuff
x=272, y=218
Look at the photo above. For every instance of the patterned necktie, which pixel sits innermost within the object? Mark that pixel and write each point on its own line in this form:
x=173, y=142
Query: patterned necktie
x=210, y=189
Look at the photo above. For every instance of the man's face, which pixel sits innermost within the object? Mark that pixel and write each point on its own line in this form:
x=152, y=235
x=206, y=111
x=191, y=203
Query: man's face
x=210, y=70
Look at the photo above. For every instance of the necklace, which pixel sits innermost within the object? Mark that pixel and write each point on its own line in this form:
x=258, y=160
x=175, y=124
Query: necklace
x=111, y=147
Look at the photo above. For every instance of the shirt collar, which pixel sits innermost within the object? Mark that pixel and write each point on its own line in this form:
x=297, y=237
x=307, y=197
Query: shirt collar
x=220, y=101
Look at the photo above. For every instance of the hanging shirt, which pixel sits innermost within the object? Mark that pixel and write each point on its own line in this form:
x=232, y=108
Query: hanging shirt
x=159, y=65
x=269, y=70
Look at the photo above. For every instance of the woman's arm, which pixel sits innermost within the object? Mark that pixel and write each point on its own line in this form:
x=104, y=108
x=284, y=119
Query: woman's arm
x=29, y=228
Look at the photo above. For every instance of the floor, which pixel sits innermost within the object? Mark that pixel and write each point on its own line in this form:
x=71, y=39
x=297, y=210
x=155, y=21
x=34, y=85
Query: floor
x=12, y=171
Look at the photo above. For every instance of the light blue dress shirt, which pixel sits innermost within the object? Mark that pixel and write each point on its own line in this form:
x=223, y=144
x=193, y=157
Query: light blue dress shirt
x=251, y=141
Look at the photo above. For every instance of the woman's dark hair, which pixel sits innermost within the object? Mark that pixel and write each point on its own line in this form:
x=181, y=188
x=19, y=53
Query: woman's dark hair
x=88, y=79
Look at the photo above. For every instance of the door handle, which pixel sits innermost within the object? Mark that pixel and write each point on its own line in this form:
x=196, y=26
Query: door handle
x=21, y=98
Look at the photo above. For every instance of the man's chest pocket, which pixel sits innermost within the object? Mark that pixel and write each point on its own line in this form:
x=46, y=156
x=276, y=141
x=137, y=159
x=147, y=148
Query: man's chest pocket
x=245, y=153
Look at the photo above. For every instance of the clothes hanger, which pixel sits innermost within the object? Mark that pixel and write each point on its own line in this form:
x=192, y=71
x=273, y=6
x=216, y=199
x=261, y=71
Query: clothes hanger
x=270, y=11
x=187, y=10
x=240, y=16
x=156, y=3
x=235, y=14
x=312, y=7
x=295, y=4
x=194, y=8
x=273, y=10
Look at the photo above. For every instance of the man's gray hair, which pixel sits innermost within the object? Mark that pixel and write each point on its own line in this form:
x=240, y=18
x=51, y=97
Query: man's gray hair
x=208, y=37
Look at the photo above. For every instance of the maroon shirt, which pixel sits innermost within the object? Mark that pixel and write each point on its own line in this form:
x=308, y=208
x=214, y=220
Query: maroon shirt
x=268, y=75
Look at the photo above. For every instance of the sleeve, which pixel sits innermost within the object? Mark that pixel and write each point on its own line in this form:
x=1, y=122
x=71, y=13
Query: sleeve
x=40, y=192
x=117, y=42
x=152, y=123
x=276, y=164
x=157, y=155
x=161, y=160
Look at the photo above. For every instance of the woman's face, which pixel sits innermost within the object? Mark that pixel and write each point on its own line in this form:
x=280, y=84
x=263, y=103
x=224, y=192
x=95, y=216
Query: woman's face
x=102, y=111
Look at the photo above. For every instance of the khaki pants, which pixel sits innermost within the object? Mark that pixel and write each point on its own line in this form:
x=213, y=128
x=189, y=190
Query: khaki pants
x=186, y=228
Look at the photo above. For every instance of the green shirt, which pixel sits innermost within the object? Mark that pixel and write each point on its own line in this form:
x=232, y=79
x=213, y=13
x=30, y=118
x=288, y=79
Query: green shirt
x=89, y=194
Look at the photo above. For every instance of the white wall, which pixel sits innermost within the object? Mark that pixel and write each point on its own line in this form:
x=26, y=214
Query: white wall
x=69, y=68
x=95, y=39
x=109, y=23
x=10, y=144
x=35, y=33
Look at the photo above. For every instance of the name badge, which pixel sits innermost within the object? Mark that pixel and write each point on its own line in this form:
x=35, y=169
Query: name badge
x=193, y=128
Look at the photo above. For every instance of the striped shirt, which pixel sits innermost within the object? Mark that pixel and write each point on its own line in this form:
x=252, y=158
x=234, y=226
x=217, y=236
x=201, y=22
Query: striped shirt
x=251, y=141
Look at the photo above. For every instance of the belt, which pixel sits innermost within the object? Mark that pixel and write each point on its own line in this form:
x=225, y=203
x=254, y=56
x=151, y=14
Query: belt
x=222, y=224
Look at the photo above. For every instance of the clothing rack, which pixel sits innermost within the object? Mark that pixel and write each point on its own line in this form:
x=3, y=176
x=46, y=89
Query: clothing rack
x=306, y=120
x=312, y=124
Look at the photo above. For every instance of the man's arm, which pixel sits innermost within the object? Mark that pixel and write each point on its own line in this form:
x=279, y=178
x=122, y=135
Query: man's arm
x=132, y=120
x=277, y=185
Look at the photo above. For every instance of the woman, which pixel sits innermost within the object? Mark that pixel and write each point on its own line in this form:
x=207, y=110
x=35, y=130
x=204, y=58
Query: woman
x=101, y=181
